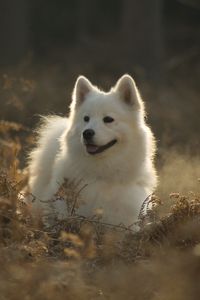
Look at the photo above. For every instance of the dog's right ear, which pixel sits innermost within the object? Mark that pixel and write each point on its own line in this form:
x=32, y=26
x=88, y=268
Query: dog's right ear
x=81, y=89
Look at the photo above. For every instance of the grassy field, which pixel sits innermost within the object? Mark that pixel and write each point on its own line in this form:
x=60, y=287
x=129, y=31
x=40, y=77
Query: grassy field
x=82, y=258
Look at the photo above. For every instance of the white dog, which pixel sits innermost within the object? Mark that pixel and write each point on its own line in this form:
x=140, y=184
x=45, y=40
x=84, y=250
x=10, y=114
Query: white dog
x=105, y=144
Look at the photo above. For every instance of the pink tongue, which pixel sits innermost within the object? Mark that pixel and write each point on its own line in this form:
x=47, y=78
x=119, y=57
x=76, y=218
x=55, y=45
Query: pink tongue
x=92, y=148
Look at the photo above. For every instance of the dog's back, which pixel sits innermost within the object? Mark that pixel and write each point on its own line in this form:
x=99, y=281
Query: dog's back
x=42, y=158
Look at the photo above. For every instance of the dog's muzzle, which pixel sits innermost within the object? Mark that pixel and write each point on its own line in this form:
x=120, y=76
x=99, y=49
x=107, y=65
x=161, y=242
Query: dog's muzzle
x=91, y=148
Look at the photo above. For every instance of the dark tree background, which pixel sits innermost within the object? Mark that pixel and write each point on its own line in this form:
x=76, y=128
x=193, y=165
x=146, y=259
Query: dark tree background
x=51, y=42
x=136, y=29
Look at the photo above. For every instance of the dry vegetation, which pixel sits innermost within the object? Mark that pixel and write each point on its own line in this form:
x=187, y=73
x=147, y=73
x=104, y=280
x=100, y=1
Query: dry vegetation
x=84, y=259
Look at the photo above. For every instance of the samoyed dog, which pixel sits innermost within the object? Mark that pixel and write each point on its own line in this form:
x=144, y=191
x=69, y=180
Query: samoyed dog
x=104, y=144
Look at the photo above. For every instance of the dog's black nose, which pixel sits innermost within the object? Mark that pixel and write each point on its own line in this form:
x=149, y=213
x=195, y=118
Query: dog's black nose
x=88, y=134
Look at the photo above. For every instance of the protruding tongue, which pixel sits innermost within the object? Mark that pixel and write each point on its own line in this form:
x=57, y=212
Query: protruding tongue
x=91, y=148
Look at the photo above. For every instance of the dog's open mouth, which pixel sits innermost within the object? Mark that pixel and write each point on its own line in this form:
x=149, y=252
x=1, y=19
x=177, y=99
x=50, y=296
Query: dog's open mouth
x=94, y=149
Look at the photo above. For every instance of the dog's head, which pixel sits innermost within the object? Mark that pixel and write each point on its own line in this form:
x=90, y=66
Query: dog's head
x=105, y=120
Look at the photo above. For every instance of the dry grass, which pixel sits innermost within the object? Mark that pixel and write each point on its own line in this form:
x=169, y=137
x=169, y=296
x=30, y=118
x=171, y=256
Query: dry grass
x=82, y=258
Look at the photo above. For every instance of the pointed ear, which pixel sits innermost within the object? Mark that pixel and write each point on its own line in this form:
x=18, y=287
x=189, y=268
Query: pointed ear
x=82, y=87
x=128, y=91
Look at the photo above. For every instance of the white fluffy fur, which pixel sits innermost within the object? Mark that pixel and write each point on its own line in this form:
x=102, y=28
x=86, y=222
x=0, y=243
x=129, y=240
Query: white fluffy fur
x=117, y=180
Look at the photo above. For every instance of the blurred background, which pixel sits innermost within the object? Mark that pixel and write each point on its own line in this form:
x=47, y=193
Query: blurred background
x=46, y=44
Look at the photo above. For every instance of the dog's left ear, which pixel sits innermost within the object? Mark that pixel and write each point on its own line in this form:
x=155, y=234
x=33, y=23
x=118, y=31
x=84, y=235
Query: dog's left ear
x=128, y=91
x=81, y=89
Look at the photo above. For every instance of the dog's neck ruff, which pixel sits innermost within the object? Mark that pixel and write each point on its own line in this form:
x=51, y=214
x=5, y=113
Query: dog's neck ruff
x=93, y=149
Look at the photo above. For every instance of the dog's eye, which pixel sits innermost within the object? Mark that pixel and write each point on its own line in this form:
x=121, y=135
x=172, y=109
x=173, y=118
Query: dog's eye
x=108, y=119
x=86, y=119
